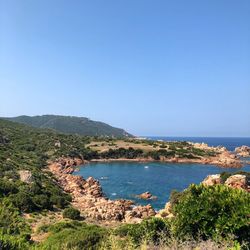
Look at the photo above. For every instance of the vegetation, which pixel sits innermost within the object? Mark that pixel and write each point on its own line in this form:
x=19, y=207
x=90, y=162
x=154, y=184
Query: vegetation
x=216, y=216
x=133, y=148
x=151, y=230
x=71, y=125
x=213, y=212
x=73, y=236
x=129, y=153
x=71, y=213
x=25, y=148
x=14, y=231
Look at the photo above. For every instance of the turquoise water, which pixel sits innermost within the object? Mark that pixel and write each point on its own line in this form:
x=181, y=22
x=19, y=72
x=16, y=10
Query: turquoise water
x=126, y=179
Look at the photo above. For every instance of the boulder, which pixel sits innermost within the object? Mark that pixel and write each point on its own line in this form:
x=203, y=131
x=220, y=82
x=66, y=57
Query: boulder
x=146, y=196
x=26, y=176
x=211, y=180
x=237, y=181
x=58, y=144
x=166, y=212
x=243, y=151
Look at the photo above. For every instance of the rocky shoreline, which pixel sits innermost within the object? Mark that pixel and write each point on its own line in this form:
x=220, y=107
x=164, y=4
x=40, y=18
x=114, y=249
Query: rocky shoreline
x=225, y=159
x=89, y=199
x=243, y=151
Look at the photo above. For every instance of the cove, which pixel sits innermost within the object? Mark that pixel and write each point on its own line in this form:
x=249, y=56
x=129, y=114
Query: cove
x=124, y=180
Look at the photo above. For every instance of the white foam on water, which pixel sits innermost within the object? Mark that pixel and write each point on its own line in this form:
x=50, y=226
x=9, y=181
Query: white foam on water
x=104, y=178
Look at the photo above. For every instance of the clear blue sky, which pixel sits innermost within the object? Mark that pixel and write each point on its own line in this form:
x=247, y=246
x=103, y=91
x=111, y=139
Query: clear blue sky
x=175, y=68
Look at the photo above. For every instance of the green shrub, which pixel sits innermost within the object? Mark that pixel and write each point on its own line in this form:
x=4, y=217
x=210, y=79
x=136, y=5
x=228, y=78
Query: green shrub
x=42, y=201
x=129, y=153
x=224, y=176
x=175, y=197
x=152, y=230
x=55, y=228
x=7, y=187
x=213, y=212
x=10, y=220
x=23, y=201
x=9, y=242
x=79, y=237
x=71, y=213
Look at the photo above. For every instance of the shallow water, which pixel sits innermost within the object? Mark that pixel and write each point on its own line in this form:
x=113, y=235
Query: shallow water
x=126, y=179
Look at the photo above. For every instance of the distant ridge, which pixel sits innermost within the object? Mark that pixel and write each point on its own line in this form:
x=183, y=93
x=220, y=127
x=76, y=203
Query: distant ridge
x=71, y=125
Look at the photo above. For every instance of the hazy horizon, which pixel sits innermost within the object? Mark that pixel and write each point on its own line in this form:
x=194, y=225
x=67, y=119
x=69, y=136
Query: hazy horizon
x=161, y=68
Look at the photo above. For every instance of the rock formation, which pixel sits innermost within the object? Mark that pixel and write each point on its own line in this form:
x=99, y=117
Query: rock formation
x=243, y=151
x=204, y=146
x=26, y=176
x=226, y=159
x=223, y=157
x=146, y=196
x=211, y=180
x=238, y=181
x=166, y=212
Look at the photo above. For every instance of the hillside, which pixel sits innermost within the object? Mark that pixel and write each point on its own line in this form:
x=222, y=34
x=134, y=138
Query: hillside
x=36, y=209
x=71, y=125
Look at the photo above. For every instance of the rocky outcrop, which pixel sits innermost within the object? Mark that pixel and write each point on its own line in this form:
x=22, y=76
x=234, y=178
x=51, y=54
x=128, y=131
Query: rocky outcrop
x=211, y=180
x=243, y=151
x=166, y=212
x=238, y=181
x=138, y=213
x=25, y=176
x=204, y=146
x=89, y=199
x=222, y=158
x=226, y=159
x=146, y=196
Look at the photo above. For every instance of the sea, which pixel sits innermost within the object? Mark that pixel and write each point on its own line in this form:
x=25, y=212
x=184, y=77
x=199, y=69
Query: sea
x=125, y=180
x=229, y=142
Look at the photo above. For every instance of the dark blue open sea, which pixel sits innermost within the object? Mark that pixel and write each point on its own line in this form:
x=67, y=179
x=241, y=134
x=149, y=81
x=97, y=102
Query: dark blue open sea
x=229, y=142
x=126, y=179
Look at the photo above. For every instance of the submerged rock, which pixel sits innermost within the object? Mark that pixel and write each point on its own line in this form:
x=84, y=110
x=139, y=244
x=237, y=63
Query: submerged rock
x=146, y=196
